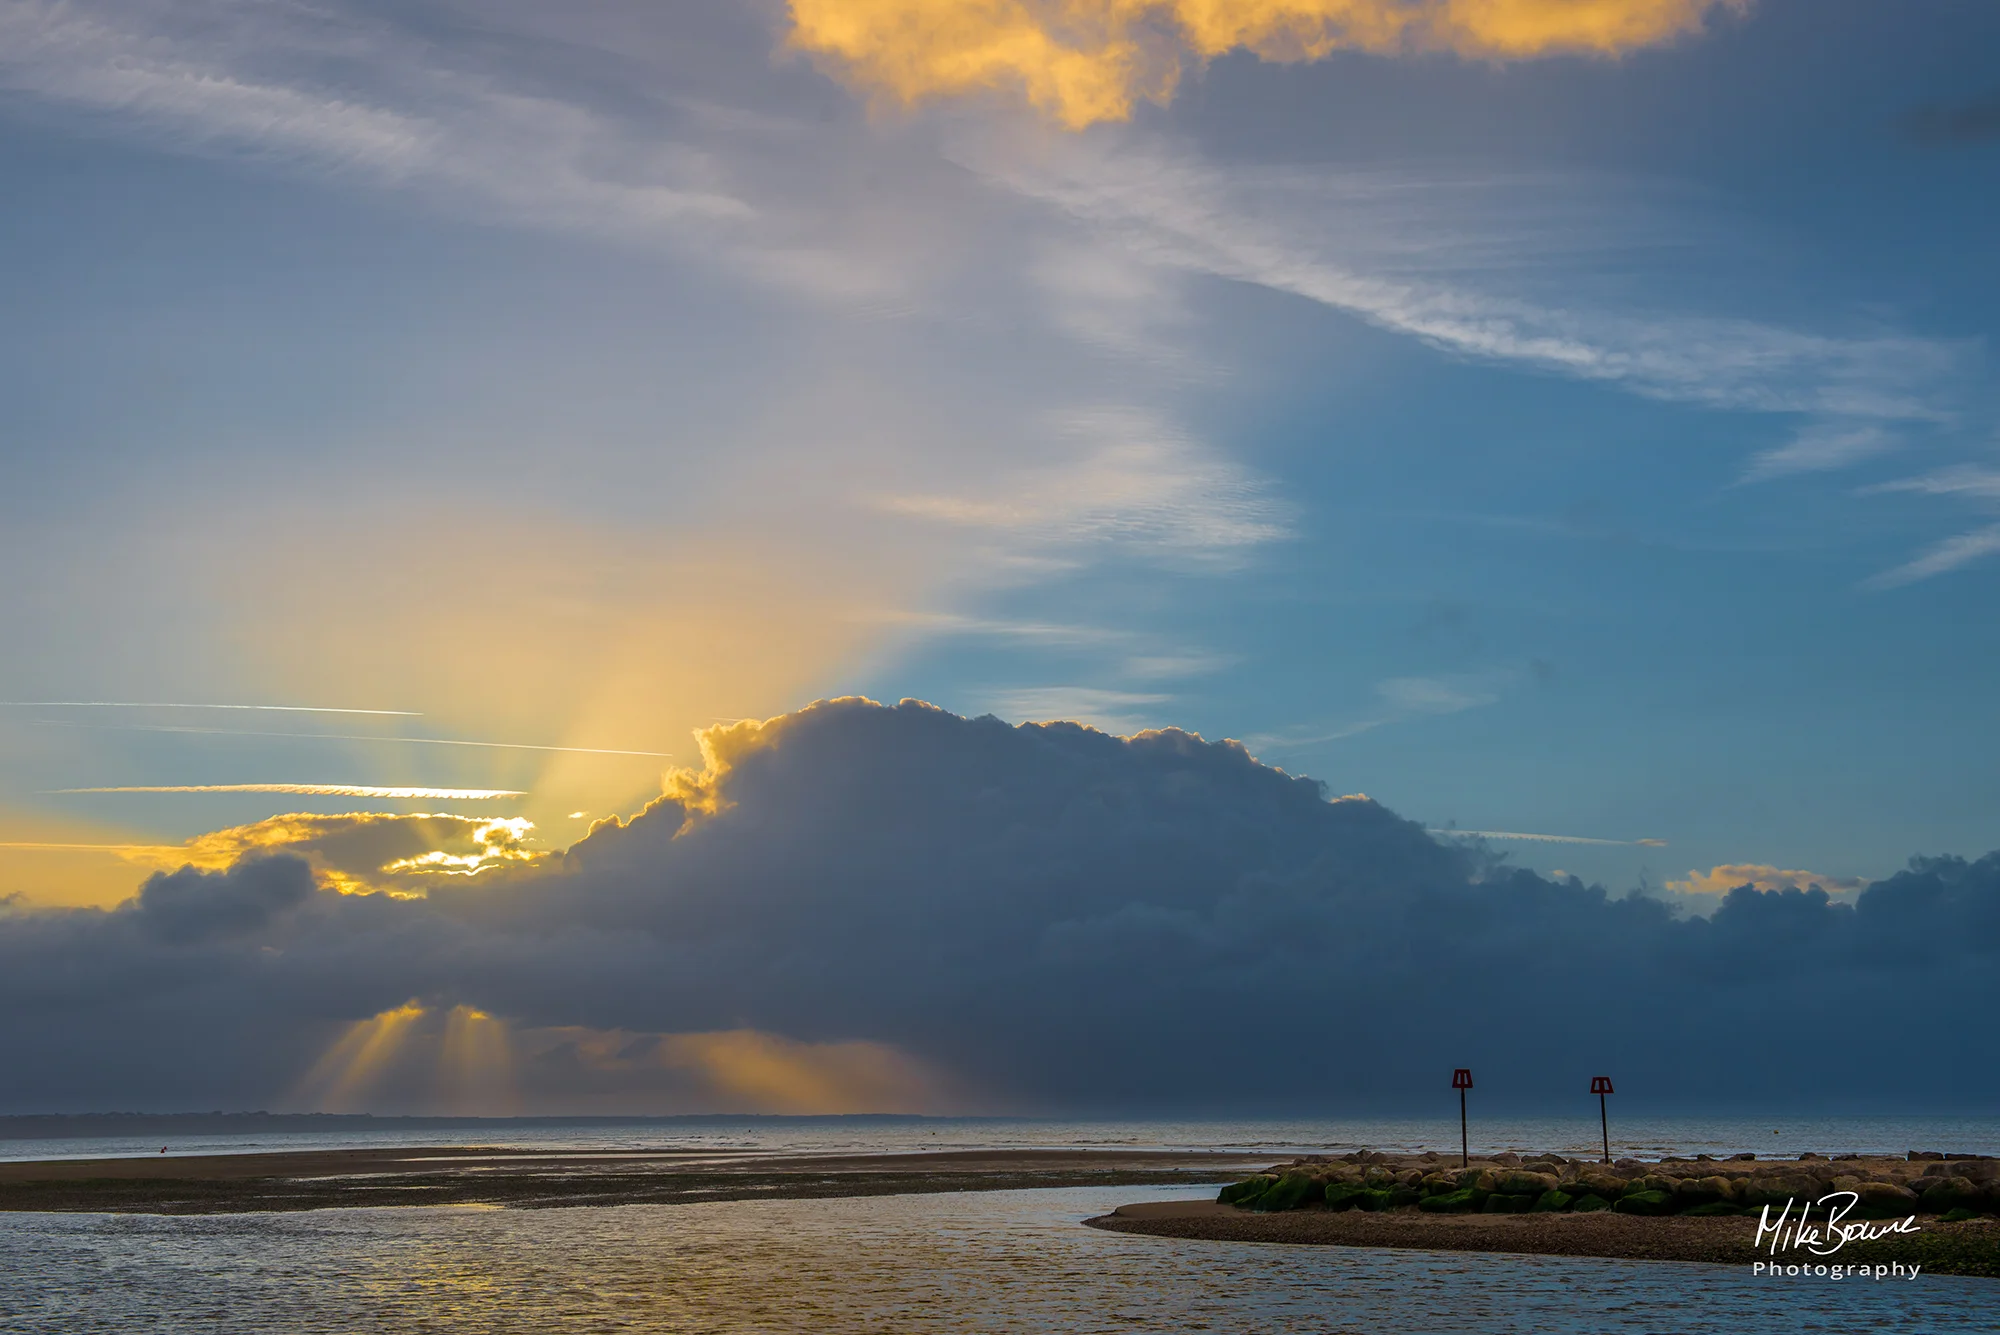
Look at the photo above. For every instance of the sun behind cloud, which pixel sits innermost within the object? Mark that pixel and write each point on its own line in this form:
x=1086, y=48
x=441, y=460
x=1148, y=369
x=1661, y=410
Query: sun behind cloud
x=1084, y=61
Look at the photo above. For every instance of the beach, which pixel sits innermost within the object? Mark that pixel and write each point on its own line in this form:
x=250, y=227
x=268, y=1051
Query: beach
x=1969, y=1247
x=479, y=1175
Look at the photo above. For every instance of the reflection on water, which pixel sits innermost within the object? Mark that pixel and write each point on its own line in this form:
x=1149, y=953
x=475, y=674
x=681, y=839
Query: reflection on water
x=971, y=1262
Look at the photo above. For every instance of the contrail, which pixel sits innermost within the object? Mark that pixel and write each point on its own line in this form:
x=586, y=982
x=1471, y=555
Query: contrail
x=169, y=704
x=347, y=737
x=106, y=848
x=1553, y=838
x=310, y=790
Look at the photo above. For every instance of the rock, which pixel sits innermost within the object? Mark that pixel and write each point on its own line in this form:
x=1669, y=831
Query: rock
x=1524, y=1183
x=1775, y=1189
x=1463, y=1201
x=1652, y=1182
x=1511, y=1159
x=1430, y=1156
x=1645, y=1203
x=1289, y=1193
x=1627, y=1163
x=1378, y=1177
x=1242, y=1193
x=1693, y=1191
x=1951, y=1193
x=1501, y=1202
x=1550, y=1202
x=1976, y=1170
x=1479, y=1179
x=1601, y=1184
x=1885, y=1200
x=1712, y=1208
x=1742, y=1156
x=1588, y=1204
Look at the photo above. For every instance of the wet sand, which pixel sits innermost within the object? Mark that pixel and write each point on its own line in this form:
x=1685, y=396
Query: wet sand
x=465, y=1175
x=1970, y=1248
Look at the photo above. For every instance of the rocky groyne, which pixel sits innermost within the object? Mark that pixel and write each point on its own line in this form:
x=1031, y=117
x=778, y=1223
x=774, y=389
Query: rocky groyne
x=1950, y=1187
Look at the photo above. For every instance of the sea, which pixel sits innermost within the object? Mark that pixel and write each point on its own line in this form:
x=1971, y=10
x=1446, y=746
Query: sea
x=948, y=1262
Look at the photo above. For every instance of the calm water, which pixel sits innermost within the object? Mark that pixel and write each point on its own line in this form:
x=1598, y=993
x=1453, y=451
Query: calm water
x=1644, y=1137
x=971, y=1262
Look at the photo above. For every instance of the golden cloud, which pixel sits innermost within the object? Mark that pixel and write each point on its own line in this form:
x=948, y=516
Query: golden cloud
x=1722, y=879
x=1084, y=61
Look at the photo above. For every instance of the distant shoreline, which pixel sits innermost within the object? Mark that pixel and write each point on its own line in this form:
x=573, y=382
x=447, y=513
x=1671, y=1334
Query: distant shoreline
x=531, y=1179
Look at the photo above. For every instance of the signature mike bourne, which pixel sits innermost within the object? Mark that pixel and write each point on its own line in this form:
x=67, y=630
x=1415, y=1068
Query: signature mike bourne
x=1800, y=1233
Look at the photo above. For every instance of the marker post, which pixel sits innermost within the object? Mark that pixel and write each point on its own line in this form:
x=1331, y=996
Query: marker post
x=1600, y=1085
x=1461, y=1080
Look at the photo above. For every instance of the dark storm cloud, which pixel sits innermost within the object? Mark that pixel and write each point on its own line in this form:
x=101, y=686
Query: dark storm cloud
x=1053, y=917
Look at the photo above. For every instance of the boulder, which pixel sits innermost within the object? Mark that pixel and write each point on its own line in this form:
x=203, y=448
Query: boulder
x=1290, y=1192
x=1885, y=1200
x=1645, y=1202
x=1588, y=1204
x=1521, y=1182
x=1551, y=1202
x=1479, y=1179
x=1774, y=1189
x=1952, y=1193
x=1713, y=1208
x=1244, y=1192
x=1501, y=1202
x=1693, y=1191
x=1463, y=1201
x=1510, y=1159
x=1607, y=1185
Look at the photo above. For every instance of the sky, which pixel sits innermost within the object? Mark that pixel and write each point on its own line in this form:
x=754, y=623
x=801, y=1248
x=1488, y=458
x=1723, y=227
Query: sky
x=433, y=430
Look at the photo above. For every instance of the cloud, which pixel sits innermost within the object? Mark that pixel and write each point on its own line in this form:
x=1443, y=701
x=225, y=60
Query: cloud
x=354, y=737
x=1973, y=483
x=1134, y=483
x=1946, y=556
x=312, y=790
x=192, y=905
x=1084, y=61
x=126, y=704
x=1391, y=251
x=1822, y=448
x=855, y=905
x=1116, y=712
x=1402, y=699
x=1720, y=880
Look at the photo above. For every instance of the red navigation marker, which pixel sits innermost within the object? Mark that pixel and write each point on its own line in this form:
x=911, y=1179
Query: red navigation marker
x=1461, y=1080
x=1600, y=1085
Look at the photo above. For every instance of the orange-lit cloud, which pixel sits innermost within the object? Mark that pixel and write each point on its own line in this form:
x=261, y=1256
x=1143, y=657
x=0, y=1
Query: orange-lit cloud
x=355, y=852
x=1084, y=61
x=461, y=1060
x=746, y=1070
x=1722, y=879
